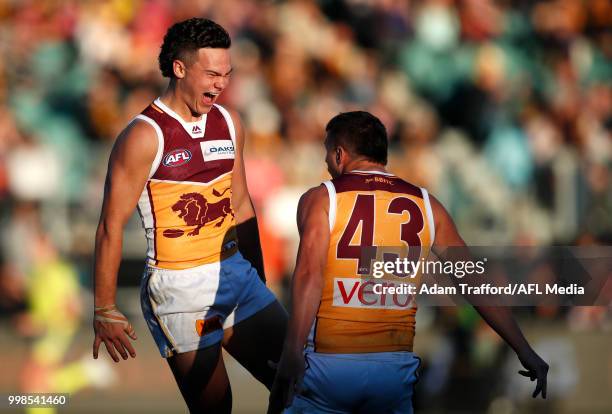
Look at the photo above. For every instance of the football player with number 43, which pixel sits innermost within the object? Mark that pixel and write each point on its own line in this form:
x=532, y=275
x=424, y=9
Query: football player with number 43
x=346, y=350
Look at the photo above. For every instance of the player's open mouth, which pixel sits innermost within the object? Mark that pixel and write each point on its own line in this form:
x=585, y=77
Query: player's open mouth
x=209, y=97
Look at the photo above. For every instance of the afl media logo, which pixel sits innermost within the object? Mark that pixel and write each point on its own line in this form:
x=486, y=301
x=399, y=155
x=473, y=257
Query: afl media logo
x=177, y=158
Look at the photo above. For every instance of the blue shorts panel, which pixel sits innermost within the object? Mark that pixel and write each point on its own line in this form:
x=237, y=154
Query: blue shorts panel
x=376, y=383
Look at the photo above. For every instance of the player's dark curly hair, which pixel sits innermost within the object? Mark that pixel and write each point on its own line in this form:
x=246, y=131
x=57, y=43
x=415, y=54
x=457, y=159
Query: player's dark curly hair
x=359, y=132
x=186, y=37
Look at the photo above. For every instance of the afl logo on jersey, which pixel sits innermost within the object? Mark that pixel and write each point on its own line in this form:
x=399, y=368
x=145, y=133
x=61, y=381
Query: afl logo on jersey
x=177, y=158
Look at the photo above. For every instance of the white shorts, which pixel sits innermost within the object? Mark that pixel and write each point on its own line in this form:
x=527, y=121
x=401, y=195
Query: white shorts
x=377, y=383
x=188, y=309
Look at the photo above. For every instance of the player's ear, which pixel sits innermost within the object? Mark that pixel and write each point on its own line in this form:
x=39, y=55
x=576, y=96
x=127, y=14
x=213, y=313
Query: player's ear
x=178, y=67
x=338, y=155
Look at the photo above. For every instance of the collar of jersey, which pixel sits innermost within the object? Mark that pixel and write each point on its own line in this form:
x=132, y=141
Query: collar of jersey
x=188, y=126
x=371, y=172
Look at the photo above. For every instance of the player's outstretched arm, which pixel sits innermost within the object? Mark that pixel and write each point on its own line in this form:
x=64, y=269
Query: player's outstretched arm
x=498, y=317
x=128, y=170
x=306, y=288
x=246, y=220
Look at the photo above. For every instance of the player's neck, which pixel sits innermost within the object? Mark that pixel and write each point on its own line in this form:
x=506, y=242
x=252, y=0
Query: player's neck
x=173, y=99
x=365, y=166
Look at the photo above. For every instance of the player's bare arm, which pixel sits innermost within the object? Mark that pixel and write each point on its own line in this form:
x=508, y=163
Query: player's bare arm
x=307, y=285
x=128, y=170
x=499, y=318
x=246, y=220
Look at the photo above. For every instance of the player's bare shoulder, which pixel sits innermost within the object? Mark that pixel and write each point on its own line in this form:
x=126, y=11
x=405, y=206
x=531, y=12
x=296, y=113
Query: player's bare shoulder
x=137, y=143
x=314, y=196
x=313, y=203
x=446, y=231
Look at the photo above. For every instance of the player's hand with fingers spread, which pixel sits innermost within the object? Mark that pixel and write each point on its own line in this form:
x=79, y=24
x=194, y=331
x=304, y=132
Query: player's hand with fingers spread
x=288, y=381
x=111, y=327
x=537, y=369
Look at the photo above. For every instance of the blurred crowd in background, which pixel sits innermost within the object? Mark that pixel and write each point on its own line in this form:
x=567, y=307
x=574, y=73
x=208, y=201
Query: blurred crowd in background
x=502, y=109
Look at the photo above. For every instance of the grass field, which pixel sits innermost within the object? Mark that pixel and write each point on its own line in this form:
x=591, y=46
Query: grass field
x=142, y=385
x=145, y=384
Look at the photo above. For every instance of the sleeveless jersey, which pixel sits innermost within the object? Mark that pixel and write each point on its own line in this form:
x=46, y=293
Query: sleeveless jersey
x=185, y=206
x=373, y=216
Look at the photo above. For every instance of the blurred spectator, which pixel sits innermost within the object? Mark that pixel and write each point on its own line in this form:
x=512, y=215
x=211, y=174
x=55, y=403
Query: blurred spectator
x=54, y=314
x=528, y=85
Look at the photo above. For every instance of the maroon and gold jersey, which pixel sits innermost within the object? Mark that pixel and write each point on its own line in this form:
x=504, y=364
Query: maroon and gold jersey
x=186, y=206
x=374, y=216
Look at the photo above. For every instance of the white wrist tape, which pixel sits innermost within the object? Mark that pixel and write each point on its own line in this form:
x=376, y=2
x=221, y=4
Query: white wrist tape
x=110, y=314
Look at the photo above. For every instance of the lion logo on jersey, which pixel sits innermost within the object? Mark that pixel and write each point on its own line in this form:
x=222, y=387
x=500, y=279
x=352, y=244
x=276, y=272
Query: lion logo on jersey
x=197, y=211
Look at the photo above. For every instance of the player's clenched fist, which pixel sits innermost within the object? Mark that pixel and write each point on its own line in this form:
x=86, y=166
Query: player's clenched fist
x=111, y=327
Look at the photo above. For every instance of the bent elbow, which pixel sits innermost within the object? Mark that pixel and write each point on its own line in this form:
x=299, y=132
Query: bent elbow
x=108, y=229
